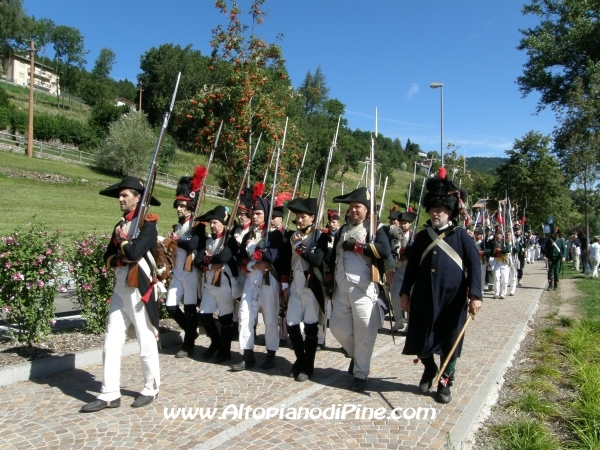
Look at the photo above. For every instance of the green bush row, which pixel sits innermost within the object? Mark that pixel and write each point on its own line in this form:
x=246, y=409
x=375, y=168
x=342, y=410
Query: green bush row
x=47, y=127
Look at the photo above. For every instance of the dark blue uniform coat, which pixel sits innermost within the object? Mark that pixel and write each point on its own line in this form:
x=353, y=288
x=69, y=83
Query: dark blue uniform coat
x=438, y=304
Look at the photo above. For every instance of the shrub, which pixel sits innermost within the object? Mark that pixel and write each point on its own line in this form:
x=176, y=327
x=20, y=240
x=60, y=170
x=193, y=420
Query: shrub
x=128, y=148
x=4, y=118
x=19, y=121
x=30, y=261
x=93, y=281
x=103, y=114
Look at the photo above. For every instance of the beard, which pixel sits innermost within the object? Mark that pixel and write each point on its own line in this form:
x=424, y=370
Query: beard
x=438, y=223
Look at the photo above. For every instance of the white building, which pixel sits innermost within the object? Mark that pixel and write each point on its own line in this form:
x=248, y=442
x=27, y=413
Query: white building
x=17, y=70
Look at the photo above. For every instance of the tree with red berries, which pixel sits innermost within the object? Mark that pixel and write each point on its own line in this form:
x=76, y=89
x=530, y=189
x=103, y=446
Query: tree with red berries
x=254, y=101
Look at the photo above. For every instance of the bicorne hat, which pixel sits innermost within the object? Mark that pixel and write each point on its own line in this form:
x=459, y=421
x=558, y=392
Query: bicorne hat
x=278, y=206
x=406, y=216
x=303, y=205
x=360, y=195
x=188, y=188
x=443, y=192
x=219, y=213
x=128, y=182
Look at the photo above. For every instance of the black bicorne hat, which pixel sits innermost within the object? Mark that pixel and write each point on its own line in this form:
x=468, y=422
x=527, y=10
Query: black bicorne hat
x=360, y=195
x=303, y=205
x=219, y=213
x=406, y=216
x=443, y=192
x=128, y=182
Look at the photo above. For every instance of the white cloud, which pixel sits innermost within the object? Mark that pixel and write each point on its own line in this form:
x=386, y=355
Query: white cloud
x=414, y=89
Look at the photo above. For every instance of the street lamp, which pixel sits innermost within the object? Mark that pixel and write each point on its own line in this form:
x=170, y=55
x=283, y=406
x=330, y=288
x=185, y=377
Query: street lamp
x=441, y=86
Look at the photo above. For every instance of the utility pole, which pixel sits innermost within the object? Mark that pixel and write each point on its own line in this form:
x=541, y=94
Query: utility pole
x=31, y=77
x=141, y=90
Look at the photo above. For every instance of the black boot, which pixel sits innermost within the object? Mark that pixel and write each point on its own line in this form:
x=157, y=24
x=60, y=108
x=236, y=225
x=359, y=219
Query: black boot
x=270, y=361
x=555, y=285
x=429, y=373
x=295, y=336
x=311, y=330
x=248, y=362
x=224, y=353
x=177, y=315
x=211, y=331
x=549, y=284
x=190, y=316
x=443, y=389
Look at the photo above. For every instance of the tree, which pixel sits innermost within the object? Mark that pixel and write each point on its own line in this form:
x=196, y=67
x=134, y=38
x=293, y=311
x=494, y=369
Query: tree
x=129, y=146
x=561, y=49
x=159, y=71
x=533, y=176
x=314, y=90
x=69, y=52
x=127, y=89
x=13, y=22
x=253, y=100
x=98, y=85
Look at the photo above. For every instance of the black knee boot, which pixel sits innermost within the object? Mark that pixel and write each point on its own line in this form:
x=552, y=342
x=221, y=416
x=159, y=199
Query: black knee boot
x=177, y=315
x=210, y=326
x=311, y=330
x=224, y=353
x=429, y=373
x=295, y=336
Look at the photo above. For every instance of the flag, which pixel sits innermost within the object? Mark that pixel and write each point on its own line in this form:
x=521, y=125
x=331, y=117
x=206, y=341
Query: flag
x=523, y=219
x=499, y=216
x=550, y=220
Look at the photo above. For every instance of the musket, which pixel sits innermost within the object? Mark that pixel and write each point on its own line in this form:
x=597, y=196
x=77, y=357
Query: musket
x=312, y=184
x=321, y=197
x=138, y=222
x=361, y=177
x=382, y=198
x=268, y=167
x=373, y=204
x=419, y=205
x=217, y=276
x=287, y=219
x=408, y=196
x=266, y=280
x=339, y=204
x=210, y=159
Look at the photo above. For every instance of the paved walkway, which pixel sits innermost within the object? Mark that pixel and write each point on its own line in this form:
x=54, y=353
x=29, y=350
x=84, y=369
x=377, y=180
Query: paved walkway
x=44, y=413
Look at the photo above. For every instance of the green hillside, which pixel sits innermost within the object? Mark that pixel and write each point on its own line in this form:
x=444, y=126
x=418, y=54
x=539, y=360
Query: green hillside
x=485, y=165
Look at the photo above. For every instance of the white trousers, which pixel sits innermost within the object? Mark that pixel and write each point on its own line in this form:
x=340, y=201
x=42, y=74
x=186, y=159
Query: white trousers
x=183, y=286
x=216, y=298
x=530, y=255
x=355, y=322
x=594, y=262
x=512, y=279
x=254, y=296
x=576, y=260
x=501, y=272
x=126, y=308
x=302, y=304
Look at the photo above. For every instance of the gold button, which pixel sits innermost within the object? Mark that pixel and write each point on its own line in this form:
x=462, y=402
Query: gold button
x=433, y=270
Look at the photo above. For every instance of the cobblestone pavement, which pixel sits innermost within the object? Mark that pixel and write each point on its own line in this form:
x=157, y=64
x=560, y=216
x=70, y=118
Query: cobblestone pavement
x=44, y=413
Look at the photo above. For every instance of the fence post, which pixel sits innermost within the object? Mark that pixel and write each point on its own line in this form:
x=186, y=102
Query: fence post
x=41, y=149
x=79, y=155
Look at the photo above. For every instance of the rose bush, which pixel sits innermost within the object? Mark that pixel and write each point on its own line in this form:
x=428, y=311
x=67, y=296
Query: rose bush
x=30, y=261
x=93, y=281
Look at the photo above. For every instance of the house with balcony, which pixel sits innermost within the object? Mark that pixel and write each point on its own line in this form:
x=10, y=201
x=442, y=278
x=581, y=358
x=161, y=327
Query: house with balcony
x=17, y=70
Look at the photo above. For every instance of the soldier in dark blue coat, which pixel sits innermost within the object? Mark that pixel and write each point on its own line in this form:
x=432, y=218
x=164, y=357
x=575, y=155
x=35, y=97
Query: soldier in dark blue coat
x=444, y=274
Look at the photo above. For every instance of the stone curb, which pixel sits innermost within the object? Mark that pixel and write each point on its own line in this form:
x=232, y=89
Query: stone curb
x=48, y=366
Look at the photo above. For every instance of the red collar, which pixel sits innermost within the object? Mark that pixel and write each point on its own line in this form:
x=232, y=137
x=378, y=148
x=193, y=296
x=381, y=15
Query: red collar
x=245, y=227
x=131, y=214
x=218, y=236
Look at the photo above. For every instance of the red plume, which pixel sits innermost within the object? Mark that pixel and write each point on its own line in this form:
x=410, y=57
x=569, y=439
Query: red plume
x=330, y=213
x=395, y=208
x=259, y=190
x=442, y=173
x=198, y=178
x=410, y=209
x=282, y=198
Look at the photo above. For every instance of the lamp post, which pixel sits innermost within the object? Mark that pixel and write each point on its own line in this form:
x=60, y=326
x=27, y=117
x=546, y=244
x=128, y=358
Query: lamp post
x=441, y=86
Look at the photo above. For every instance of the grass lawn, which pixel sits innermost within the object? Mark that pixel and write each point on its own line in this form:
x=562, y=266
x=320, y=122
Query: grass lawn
x=74, y=207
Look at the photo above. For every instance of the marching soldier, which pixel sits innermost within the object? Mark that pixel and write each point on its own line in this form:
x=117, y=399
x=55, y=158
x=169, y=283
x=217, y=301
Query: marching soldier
x=484, y=252
x=501, y=253
x=443, y=270
x=217, y=262
x=277, y=224
x=130, y=305
x=401, y=236
x=301, y=283
x=355, y=318
x=184, y=285
x=555, y=252
x=519, y=241
x=261, y=287
x=330, y=231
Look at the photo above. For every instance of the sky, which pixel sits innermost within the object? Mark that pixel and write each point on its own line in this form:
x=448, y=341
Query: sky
x=376, y=55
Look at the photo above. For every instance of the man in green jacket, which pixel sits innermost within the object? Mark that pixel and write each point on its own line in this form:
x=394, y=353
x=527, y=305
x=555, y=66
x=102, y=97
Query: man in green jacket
x=555, y=253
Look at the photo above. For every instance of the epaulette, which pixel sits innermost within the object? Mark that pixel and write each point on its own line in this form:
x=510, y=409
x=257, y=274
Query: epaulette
x=151, y=218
